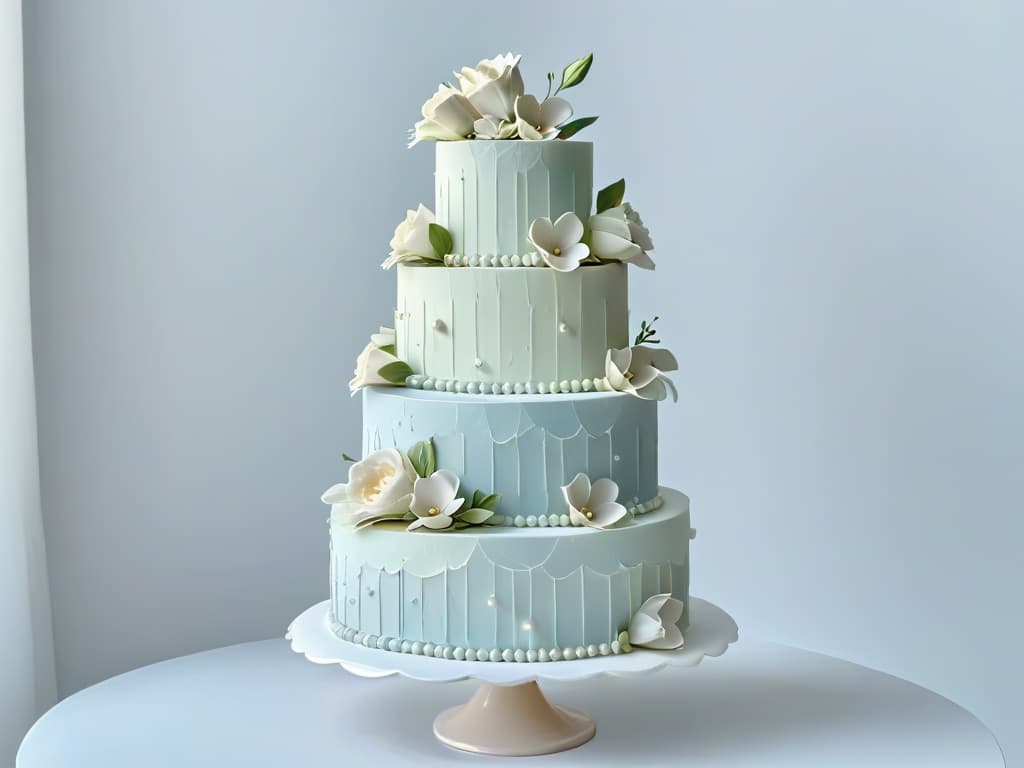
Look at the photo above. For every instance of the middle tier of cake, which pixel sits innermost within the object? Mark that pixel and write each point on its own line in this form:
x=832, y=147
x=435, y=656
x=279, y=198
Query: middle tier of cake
x=526, y=447
x=523, y=329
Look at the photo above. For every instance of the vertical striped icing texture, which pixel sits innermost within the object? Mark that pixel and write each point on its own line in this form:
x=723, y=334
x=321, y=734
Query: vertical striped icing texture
x=488, y=192
x=508, y=588
x=501, y=325
x=523, y=447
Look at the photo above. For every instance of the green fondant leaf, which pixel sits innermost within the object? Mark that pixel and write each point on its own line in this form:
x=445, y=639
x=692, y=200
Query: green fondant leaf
x=396, y=372
x=440, y=241
x=611, y=196
x=489, y=502
x=575, y=126
x=422, y=458
x=476, y=499
x=474, y=516
x=391, y=349
x=573, y=74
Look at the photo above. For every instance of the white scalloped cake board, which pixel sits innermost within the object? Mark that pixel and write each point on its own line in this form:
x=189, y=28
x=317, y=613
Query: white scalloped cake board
x=710, y=633
x=509, y=715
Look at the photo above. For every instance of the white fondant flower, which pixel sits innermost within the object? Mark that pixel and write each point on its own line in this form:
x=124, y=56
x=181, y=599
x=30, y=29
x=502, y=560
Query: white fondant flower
x=377, y=355
x=593, y=504
x=411, y=240
x=640, y=371
x=434, y=502
x=536, y=121
x=655, y=625
x=493, y=86
x=380, y=487
x=559, y=243
x=619, y=234
x=490, y=127
x=447, y=116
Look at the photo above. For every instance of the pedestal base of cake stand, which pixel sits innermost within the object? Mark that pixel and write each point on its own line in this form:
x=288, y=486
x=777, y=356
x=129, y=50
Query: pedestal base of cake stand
x=513, y=720
x=509, y=715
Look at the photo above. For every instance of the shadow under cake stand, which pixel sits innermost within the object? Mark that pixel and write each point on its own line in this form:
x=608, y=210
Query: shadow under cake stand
x=508, y=714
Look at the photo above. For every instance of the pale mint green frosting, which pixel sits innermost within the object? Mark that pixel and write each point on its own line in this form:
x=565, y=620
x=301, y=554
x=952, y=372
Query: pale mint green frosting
x=498, y=590
x=511, y=326
x=488, y=192
x=526, y=447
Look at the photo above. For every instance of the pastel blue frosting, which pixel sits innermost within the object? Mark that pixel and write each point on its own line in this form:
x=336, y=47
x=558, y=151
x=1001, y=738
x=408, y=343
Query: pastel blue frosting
x=525, y=447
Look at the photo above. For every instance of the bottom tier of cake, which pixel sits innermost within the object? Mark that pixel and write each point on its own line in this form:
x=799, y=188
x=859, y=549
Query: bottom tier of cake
x=507, y=594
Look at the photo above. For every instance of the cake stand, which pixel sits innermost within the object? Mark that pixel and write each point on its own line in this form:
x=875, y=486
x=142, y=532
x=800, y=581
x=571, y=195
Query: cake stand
x=508, y=714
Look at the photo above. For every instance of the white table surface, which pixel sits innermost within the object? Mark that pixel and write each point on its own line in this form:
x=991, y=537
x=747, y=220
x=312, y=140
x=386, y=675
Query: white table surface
x=260, y=704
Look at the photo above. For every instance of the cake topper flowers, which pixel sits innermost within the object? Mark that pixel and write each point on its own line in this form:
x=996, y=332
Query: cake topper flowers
x=640, y=369
x=491, y=103
x=389, y=485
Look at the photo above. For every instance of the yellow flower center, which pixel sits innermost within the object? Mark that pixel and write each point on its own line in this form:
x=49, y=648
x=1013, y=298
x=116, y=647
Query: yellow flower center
x=557, y=251
x=628, y=375
x=433, y=512
x=375, y=485
x=540, y=127
x=585, y=511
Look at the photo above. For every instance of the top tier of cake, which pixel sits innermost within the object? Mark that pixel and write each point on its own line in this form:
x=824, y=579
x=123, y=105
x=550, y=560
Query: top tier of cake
x=488, y=192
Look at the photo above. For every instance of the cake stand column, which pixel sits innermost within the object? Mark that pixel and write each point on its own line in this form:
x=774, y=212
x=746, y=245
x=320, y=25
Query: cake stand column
x=512, y=720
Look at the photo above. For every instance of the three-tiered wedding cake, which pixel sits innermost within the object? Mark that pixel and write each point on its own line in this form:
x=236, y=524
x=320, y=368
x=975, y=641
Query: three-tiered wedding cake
x=506, y=506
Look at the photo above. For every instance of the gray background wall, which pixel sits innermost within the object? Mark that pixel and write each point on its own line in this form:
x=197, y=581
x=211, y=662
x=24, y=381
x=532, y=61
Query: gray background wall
x=835, y=191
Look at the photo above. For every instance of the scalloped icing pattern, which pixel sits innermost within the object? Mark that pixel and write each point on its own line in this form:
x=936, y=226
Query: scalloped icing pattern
x=525, y=448
x=518, y=589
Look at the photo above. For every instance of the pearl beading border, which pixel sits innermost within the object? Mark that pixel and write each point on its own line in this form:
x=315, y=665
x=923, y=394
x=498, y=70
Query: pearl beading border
x=635, y=507
x=532, y=259
x=566, y=386
x=461, y=653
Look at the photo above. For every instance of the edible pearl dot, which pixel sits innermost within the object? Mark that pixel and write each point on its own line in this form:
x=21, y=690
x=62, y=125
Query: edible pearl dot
x=563, y=520
x=481, y=655
x=542, y=521
x=520, y=521
x=417, y=648
x=492, y=601
x=414, y=600
x=428, y=649
x=459, y=653
x=555, y=654
x=616, y=458
x=516, y=260
x=507, y=655
x=604, y=649
x=553, y=520
x=438, y=324
x=370, y=591
x=581, y=652
x=527, y=626
x=569, y=654
x=542, y=654
x=382, y=642
x=531, y=521
x=394, y=646
x=439, y=651
x=531, y=656
x=494, y=655
x=477, y=362
x=616, y=648
x=406, y=646
x=520, y=655
x=563, y=328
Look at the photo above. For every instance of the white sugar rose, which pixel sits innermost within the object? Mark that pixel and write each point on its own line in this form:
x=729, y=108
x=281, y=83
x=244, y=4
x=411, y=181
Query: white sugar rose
x=488, y=127
x=380, y=487
x=376, y=356
x=618, y=234
x=493, y=86
x=411, y=240
x=447, y=116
